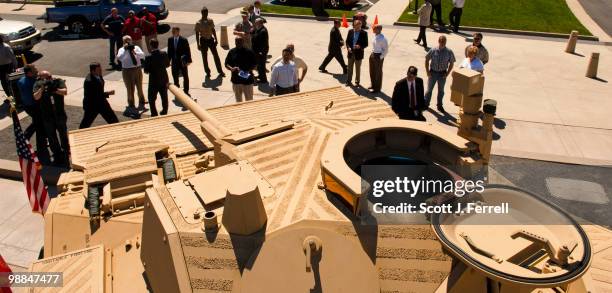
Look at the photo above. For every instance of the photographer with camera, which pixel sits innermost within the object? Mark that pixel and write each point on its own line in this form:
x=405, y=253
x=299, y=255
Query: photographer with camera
x=49, y=92
x=30, y=105
x=131, y=57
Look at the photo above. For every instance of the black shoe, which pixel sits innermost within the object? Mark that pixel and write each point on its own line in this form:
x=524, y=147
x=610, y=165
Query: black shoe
x=322, y=70
x=416, y=41
x=441, y=109
x=373, y=91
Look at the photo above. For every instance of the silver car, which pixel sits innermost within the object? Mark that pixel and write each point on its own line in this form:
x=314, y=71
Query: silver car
x=21, y=35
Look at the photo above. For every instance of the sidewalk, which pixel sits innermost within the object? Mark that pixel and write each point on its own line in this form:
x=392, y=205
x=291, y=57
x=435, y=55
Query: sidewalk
x=388, y=11
x=21, y=236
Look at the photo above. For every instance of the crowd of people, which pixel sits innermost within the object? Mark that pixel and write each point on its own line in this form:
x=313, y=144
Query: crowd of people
x=134, y=49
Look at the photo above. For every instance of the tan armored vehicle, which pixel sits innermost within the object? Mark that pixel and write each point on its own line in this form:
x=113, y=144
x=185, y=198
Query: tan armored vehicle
x=265, y=196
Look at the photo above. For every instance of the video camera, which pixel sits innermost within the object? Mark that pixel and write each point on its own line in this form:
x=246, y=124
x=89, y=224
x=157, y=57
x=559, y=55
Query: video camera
x=52, y=85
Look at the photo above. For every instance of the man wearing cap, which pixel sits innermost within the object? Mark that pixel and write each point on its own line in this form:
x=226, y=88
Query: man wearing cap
x=243, y=29
x=206, y=38
x=408, y=99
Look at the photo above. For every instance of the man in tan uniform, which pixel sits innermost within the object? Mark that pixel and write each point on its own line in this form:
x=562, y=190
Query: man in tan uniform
x=206, y=38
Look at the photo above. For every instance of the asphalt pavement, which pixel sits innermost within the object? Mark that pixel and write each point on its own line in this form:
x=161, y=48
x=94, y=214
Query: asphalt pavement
x=599, y=11
x=584, y=191
x=76, y=53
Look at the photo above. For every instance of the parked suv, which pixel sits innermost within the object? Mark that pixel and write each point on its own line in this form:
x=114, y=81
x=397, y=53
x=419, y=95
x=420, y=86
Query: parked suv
x=81, y=16
x=21, y=35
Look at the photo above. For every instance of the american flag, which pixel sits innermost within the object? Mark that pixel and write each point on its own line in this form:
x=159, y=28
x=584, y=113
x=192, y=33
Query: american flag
x=30, y=170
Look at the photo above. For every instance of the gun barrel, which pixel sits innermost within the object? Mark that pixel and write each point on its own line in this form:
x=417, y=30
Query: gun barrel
x=197, y=110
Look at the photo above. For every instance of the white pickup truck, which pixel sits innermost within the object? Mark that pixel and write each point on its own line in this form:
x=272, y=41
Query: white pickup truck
x=21, y=35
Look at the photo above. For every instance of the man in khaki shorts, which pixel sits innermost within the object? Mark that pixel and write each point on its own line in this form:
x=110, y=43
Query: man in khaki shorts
x=206, y=38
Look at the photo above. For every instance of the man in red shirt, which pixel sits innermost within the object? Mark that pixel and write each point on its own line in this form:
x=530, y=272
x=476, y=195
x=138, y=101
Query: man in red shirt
x=133, y=28
x=149, y=26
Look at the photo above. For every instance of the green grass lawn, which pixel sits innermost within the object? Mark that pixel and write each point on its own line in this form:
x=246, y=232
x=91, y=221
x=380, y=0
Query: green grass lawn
x=532, y=15
x=299, y=10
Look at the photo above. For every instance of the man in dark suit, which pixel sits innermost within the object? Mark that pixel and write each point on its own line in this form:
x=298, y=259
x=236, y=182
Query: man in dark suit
x=95, y=98
x=335, y=48
x=155, y=65
x=260, y=45
x=180, y=57
x=408, y=99
x=356, y=41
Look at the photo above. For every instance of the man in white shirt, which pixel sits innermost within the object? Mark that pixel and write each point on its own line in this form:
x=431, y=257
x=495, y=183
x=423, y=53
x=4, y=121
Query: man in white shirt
x=455, y=15
x=130, y=57
x=380, y=48
x=257, y=8
x=284, y=78
x=424, y=21
x=299, y=63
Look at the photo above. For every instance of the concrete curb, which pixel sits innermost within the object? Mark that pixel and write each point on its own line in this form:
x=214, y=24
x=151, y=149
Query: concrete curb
x=552, y=158
x=28, y=2
x=463, y=28
x=510, y=32
x=12, y=170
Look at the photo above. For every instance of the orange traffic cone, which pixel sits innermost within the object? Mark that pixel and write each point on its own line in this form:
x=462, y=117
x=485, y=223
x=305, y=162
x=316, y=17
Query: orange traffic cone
x=375, y=22
x=344, y=22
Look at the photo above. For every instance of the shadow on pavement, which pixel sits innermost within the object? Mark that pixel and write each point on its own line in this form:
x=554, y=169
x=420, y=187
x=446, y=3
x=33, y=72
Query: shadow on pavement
x=264, y=88
x=213, y=83
x=445, y=118
x=499, y=124
x=599, y=79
